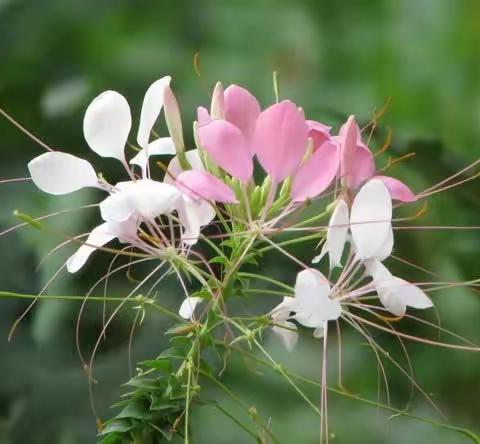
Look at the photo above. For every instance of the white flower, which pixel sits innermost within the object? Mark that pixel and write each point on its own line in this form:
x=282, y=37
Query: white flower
x=144, y=198
x=106, y=127
x=312, y=305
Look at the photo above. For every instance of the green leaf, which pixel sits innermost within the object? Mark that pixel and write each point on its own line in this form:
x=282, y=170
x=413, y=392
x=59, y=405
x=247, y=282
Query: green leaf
x=113, y=438
x=144, y=383
x=137, y=409
x=173, y=353
x=163, y=365
x=117, y=425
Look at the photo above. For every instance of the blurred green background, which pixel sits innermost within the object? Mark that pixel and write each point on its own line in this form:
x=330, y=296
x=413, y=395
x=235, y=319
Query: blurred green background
x=334, y=58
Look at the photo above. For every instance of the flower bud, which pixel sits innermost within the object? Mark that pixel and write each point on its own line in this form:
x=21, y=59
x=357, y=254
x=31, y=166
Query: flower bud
x=217, y=107
x=173, y=119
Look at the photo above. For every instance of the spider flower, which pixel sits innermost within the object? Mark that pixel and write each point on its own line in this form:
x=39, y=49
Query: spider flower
x=107, y=124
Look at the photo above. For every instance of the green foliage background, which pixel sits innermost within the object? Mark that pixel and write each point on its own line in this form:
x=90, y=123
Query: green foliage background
x=334, y=58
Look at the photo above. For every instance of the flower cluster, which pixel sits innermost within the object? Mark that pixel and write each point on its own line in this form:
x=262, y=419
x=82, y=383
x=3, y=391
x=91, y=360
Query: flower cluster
x=250, y=174
x=229, y=138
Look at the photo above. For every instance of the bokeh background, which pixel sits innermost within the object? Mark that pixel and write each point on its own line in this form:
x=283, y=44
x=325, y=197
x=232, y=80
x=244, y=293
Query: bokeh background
x=334, y=58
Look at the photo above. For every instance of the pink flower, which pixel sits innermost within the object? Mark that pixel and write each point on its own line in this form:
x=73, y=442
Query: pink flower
x=280, y=139
x=229, y=141
x=357, y=163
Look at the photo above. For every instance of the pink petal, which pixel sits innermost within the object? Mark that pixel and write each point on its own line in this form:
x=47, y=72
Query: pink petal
x=357, y=163
x=280, y=139
x=242, y=109
x=227, y=146
x=317, y=173
x=398, y=190
x=199, y=184
x=319, y=132
x=203, y=116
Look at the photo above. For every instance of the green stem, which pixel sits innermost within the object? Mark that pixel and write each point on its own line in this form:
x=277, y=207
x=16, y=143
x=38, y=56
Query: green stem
x=266, y=279
x=292, y=241
x=236, y=421
x=466, y=432
x=239, y=401
x=11, y=295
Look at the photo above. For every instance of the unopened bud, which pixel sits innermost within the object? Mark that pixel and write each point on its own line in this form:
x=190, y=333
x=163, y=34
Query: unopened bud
x=217, y=108
x=173, y=119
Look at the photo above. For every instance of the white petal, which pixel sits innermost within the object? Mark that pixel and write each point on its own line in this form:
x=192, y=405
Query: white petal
x=193, y=215
x=395, y=293
x=98, y=237
x=287, y=332
x=386, y=248
x=371, y=219
x=145, y=198
x=188, y=307
x=282, y=311
x=164, y=145
x=174, y=168
x=116, y=208
x=337, y=233
x=413, y=296
x=312, y=304
x=151, y=108
x=107, y=124
x=61, y=173
x=377, y=270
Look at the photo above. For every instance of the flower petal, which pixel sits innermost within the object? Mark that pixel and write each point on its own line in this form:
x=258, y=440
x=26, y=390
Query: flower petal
x=194, y=214
x=282, y=311
x=61, y=173
x=163, y=145
x=280, y=139
x=319, y=133
x=317, y=173
x=337, y=233
x=98, y=237
x=107, y=124
x=242, y=109
x=201, y=184
x=187, y=308
x=174, y=168
x=145, y=198
x=312, y=304
x=228, y=148
x=370, y=219
x=357, y=163
x=395, y=293
x=151, y=108
x=398, y=190
x=203, y=116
